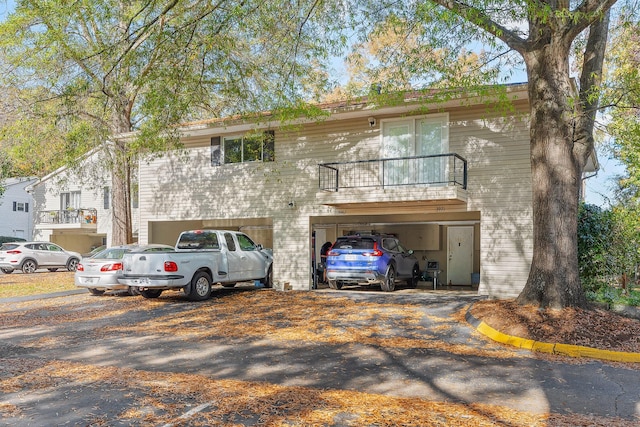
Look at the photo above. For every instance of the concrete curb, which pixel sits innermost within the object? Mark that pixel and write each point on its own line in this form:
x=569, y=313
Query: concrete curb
x=551, y=348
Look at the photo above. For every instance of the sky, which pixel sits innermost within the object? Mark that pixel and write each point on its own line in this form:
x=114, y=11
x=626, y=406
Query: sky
x=598, y=188
x=6, y=6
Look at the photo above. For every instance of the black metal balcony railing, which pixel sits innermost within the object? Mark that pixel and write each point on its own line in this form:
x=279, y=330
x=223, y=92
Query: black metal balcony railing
x=436, y=170
x=68, y=216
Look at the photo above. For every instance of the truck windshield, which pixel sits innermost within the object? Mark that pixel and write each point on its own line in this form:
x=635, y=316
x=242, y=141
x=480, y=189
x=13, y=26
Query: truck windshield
x=198, y=240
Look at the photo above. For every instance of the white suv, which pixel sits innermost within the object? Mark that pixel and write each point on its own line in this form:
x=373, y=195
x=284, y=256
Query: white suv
x=30, y=256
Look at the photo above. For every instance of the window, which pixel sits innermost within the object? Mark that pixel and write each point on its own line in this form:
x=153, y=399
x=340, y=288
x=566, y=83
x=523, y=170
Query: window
x=420, y=136
x=70, y=200
x=106, y=198
x=20, y=207
x=231, y=245
x=390, y=245
x=243, y=149
x=246, y=244
x=198, y=240
x=135, y=194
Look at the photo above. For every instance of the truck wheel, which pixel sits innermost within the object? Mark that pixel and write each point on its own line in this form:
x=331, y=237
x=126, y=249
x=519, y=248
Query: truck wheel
x=200, y=288
x=94, y=291
x=267, y=281
x=151, y=293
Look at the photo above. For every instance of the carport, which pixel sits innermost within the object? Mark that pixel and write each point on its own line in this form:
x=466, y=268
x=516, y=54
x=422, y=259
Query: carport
x=448, y=242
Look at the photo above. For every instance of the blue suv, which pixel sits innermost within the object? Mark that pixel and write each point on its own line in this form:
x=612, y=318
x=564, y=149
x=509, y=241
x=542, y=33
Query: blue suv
x=371, y=258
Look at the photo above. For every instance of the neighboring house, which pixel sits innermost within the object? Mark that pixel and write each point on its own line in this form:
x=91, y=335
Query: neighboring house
x=16, y=208
x=73, y=206
x=452, y=180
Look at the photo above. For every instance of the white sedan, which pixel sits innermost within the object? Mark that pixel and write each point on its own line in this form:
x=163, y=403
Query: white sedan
x=100, y=272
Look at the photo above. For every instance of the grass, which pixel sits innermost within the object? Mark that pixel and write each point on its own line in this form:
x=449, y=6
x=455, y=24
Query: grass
x=18, y=284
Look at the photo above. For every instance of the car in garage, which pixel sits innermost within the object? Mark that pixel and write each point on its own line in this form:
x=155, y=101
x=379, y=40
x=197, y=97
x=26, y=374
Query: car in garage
x=31, y=256
x=100, y=273
x=371, y=259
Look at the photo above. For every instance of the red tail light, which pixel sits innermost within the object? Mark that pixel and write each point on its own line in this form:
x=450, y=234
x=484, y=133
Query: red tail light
x=80, y=267
x=170, y=266
x=14, y=252
x=375, y=252
x=112, y=267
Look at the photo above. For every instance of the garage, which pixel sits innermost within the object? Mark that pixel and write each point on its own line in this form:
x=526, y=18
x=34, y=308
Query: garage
x=447, y=246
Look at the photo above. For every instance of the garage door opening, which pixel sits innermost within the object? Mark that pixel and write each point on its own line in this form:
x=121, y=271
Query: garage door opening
x=447, y=247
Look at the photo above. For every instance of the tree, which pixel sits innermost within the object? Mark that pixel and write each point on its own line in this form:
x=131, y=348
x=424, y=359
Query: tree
x=117, y=76
x=545, y=35
x=622, y=96
x=595, y=243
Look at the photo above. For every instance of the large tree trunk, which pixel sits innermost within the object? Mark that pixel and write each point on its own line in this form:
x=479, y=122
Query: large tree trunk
x=121, y=228
x=556, y=172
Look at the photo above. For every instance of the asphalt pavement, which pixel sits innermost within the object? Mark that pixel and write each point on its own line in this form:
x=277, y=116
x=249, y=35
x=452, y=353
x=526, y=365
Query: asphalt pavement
x=439, y=371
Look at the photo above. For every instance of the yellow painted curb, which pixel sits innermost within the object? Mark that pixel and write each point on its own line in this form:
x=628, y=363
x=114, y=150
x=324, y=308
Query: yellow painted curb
x=560, y=349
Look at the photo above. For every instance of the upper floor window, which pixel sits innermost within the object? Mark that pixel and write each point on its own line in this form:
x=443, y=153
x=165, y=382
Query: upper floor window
x=135, y=195
x=20, y=207
x=419, y=136
x=106, y=198
x=242, y=149
x=70, y=200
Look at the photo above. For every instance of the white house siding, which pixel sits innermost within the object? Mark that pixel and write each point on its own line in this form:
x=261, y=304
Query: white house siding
x=178, y=194
x=497, y=149
x=16, y=223
x=89, y=178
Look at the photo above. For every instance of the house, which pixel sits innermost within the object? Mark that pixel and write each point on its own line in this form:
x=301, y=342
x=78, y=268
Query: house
x=16, y=208
x=451, y=179
x=73, y=205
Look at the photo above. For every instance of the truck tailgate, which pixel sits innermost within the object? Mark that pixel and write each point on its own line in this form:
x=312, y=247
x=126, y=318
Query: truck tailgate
x=148, y=269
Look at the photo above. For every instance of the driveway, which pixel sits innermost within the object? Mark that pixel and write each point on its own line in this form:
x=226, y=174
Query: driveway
x=262, y=357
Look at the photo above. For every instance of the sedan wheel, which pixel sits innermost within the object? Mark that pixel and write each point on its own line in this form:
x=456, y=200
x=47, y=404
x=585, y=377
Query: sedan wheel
x=7, y=270
x=29, y=266
x=389, y=282
x=72, y=265
x=151, y=293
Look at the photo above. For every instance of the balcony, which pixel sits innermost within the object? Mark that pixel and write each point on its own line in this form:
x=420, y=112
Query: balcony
x=67, y=218
x=418, y=180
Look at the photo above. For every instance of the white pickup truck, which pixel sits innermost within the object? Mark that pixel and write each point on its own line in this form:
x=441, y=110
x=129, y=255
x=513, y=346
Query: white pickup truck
x=202, y=258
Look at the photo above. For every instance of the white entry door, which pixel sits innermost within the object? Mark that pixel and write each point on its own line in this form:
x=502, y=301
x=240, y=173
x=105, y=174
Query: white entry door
x=460, y=251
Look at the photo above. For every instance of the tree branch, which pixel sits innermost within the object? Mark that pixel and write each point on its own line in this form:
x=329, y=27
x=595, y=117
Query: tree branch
x=479, y=18
x=586, y=13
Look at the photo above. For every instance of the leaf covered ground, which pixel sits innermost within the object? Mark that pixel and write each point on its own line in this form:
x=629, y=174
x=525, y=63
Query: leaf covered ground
x=596, y=328
x=181, y=399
